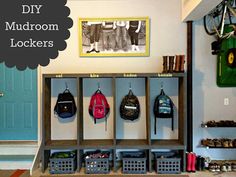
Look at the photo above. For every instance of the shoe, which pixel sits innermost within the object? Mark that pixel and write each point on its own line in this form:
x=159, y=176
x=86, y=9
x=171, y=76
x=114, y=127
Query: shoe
x=212, y=167
x=165, y=58
x=217, y=142
x=234, y=143
x=208, y=142
x=200, y=163
x=233, y=165
x=230, y=143
x=171, y=64
x=229, y=167
x=177, y=64
x=223, y=168
x=193, y=169
x=136, y=48
x=92, y=50
x=211, y=123
x=189, y=162
x=97, y=51
x=133, y=48
x=221, y=123
x=225, y=143
x=217, y=167
x=182, y=61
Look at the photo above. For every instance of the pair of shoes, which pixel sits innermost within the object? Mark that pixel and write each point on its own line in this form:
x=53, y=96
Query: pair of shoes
x=226, y=167
x=227, y=143
x=214, y=167
x=200, y=164
x=208, y=142
x=90, y=51
x=226, y=123
x=233, y=165
x=93, y=50
x=217, y=142
x=191, y=162
x=211, y=123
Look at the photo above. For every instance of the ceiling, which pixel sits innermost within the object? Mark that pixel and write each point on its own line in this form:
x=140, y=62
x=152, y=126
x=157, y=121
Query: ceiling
x=196, y=9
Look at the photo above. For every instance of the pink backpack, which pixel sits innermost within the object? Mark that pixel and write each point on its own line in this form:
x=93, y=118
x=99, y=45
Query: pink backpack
x=98, y=107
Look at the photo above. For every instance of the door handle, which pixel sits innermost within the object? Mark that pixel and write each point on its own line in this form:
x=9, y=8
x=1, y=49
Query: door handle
x=1, y=94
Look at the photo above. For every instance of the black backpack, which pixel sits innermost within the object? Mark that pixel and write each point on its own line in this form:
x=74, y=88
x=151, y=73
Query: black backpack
x=130, y=107
x=65, y=106
x=163, y=108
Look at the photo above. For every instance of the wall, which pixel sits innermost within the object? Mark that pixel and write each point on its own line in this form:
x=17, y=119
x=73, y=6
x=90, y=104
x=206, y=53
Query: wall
x=167, y=37
x=208, y=98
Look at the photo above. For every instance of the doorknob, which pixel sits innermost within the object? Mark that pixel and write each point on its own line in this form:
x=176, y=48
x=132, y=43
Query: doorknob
x=1, y=94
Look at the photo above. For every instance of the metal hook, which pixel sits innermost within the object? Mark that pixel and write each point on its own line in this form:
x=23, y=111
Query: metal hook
x=66, y=86
x=161, y=84
x=98, y=86
x=130, y=87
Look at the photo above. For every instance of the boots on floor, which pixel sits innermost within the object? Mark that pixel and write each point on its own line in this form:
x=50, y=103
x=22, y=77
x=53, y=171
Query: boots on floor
x=171, y=64
x=191, y=162
x=165, y=70
x=200, y=163
x=193, y=168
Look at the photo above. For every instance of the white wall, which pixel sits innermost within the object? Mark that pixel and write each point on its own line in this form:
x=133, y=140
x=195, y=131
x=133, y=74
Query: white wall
x=208, y=98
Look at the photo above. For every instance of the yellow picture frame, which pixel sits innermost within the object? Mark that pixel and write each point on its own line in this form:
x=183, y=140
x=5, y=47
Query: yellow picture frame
x=127, y=36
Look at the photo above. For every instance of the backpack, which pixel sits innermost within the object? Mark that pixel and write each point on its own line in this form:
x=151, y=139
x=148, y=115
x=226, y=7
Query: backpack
x=130, y=107
x=98, y=107
x=163, y=108
x=65, y=106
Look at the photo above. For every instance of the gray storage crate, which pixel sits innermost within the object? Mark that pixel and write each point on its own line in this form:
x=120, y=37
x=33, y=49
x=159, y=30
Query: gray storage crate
x=97, y=165
x=168, y=165
x=134, y=163
x=62, y=165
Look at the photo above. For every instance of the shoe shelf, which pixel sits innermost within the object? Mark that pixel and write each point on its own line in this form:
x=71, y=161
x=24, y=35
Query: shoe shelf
x=210, y=147
x=219, y=124
x=117, y=137
x=223, y=143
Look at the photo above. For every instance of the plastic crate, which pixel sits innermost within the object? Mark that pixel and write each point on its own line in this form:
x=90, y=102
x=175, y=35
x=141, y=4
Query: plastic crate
x=97, y=165
x=168, y=165
x=134, y=162
x=62, y=165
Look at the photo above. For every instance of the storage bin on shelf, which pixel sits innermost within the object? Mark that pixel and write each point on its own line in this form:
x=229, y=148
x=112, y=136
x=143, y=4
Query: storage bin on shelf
x=63, y=162
x=167, y=163
x=134, y=162
x=97, y=162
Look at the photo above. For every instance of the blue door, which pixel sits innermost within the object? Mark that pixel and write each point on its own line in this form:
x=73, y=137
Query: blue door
x=18, y=104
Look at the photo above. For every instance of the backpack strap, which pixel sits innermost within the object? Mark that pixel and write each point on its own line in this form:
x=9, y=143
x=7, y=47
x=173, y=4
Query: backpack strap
x=155, y=125
x=106, y=123
x=172, y=122
x=95, y=121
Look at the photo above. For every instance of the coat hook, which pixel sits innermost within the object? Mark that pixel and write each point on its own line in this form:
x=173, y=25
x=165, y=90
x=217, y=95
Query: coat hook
x=130, y=87
x=98, y=86
x=66, y=86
